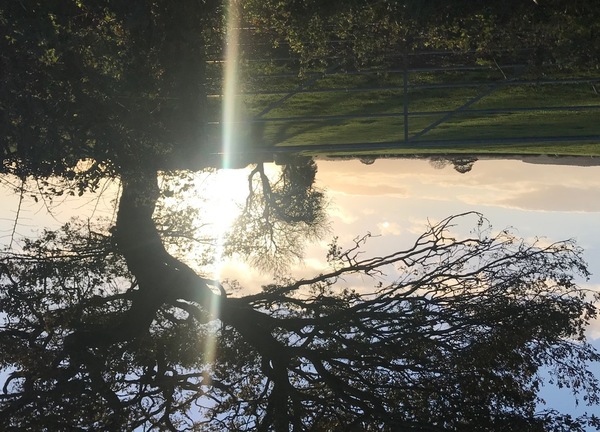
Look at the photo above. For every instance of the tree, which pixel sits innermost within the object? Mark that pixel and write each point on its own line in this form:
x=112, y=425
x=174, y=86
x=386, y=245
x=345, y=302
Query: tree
x=103, y=328
x=456, y=341
x=464, y=165
x=279, y=216
x=362, y=33
x=118, y=83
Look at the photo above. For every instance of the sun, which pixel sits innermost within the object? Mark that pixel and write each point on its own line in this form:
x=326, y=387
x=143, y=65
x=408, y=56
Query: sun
x=222, y=193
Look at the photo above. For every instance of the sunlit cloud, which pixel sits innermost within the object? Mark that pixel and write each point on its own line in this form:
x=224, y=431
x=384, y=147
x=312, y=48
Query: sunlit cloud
x=498, y=183
x=342, y=215
x=249, y=279
x=389, y=228
x=535, y=197
x=310, y=266
x=557, y=198
x=366, y=187
x=417, y=226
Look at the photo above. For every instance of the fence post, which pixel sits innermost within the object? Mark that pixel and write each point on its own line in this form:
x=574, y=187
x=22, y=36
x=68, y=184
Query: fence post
x=405, y=95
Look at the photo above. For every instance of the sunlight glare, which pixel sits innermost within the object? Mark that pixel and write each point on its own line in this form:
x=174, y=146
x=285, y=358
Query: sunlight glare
x=230, y=85
x=223, y=192
x=229, y=117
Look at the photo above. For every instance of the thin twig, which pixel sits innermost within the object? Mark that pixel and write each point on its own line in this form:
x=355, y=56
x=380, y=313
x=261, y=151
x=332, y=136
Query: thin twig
x=16, y=221
x=500, y=69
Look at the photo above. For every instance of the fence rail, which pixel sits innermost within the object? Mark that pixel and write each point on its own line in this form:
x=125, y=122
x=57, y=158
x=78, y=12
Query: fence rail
x=431, y=105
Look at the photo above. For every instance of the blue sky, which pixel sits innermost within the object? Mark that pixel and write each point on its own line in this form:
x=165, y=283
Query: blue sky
x=394, y=199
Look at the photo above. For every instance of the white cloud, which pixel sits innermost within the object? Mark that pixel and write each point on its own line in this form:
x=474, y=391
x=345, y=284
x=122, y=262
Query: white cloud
x=342, y=215
x=389, y=228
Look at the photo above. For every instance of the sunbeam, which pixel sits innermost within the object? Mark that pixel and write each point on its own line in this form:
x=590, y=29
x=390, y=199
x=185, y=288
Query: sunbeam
x=230, y=85
x=229, y=119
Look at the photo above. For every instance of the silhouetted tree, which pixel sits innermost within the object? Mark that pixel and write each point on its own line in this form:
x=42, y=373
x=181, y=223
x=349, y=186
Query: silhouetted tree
x=109, y=332
x=438, y=162
x=280, y=215
x=463, y=164
x=104, y=329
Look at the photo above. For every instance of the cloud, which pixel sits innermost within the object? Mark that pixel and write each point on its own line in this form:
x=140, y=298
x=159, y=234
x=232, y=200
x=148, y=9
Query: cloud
x=344, y=216
x=556, y=198
x=418, y=225
x=389, y=228
x=366, y=187
x=310, y=267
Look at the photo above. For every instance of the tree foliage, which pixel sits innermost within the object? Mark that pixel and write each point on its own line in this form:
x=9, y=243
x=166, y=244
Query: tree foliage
x=118, y=83
x=456, y=341
x=103, y=328
x=279, y=216
x=361, y=33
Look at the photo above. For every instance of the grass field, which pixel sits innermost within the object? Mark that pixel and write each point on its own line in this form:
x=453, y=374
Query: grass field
x=453, y=110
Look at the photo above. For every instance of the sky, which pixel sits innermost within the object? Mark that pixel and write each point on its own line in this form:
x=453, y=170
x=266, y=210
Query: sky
x=392, y=199
x=395, y=197
x=26, y=216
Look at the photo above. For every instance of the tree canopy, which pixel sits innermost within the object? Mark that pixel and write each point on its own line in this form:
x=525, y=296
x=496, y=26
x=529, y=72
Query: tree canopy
x=120, y=83
x=103, y=328
x=361, y=33
x=111, y=335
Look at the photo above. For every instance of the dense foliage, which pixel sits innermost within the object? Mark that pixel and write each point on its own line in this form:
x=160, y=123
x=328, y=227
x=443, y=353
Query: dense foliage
x=362, y=33
x=118, y=83
x=104, y=329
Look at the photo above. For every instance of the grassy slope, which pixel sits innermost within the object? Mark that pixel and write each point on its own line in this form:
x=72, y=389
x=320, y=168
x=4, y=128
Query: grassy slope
x=304, y=127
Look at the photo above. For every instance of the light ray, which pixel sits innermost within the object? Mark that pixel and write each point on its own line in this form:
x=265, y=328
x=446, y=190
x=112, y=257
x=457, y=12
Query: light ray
x=229, y=119
x=230, y=85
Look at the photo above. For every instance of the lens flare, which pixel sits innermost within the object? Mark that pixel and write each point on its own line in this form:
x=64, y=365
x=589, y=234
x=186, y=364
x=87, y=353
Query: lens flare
x=230, y=85
x=229, y=137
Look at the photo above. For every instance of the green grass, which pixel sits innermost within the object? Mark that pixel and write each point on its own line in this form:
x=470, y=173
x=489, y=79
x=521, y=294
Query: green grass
x=521, y=124
x=541, y=148
x=462, y=125
x=440, y=99
x=530, y=96
x=341, y=103
x=335, y=132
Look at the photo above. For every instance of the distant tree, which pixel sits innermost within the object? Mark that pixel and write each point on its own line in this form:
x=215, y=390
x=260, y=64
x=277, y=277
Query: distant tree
x=361, y=33
x=463, y=164
x=367, y=160
x=438, y=162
